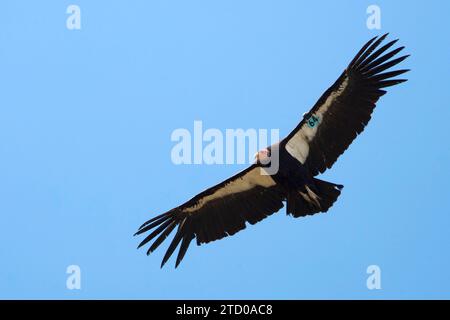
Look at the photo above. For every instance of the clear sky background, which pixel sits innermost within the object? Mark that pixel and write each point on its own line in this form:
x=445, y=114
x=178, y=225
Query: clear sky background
x=85, y=123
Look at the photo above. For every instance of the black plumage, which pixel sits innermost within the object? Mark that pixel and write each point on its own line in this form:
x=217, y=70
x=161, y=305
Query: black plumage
x=324, y=133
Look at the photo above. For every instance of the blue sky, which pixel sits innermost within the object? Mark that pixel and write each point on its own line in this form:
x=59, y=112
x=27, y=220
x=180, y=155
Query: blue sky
x=85, y=123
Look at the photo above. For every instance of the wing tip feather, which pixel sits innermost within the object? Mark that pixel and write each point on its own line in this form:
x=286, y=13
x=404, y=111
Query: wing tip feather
x=372, y=56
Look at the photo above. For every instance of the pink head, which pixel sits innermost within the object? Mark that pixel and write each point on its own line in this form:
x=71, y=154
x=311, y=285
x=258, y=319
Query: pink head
x=263, y=156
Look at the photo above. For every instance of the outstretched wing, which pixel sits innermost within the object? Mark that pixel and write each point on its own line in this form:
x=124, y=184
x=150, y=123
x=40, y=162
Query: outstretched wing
x=217, y=212
x=345, y=108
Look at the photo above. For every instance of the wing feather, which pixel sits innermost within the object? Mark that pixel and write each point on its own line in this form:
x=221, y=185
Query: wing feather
x=217, y=212
x=344, y=110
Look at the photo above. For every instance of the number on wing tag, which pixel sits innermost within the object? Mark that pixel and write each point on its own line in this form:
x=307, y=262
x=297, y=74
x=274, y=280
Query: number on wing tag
x=312, y=121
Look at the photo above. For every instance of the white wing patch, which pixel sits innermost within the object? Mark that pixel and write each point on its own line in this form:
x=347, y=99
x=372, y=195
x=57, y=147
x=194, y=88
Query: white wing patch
x=298, y=145
x=251, y=179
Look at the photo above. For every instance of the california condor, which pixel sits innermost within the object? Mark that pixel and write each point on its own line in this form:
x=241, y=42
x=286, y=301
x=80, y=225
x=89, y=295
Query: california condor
x=324, y=133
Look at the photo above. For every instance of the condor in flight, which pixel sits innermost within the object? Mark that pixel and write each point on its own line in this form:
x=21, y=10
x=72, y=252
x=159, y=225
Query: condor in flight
x=324, y=133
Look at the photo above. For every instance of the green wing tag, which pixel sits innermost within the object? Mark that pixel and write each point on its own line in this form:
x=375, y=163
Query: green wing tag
x=313, y=121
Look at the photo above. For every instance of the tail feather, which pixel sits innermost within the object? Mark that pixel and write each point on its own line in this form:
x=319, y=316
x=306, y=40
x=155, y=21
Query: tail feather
x=316, y=197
